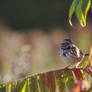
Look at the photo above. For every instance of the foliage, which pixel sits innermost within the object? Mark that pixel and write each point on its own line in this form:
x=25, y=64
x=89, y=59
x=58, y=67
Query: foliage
x=65, y=80
x=62, y=80
x=80, y=7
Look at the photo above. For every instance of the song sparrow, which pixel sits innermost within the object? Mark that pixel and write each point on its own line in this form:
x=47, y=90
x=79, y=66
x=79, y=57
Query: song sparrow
x=69, y=53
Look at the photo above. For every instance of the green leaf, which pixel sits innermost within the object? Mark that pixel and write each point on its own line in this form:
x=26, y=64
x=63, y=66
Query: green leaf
x=80, y=8
x=10, y=87
x=20, y=85
x=80, y=15
x=41, y=81
x=85, y=7
x=26, y=86
x=71, y=11
x=70, y=79
x=33, y=84
x=3, y=88
x=85, y=62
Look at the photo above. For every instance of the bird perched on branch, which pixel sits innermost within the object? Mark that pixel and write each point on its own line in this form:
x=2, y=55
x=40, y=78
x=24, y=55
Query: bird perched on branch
x=70, y=54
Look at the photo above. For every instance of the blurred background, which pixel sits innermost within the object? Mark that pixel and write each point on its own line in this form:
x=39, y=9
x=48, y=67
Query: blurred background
x=31, y=32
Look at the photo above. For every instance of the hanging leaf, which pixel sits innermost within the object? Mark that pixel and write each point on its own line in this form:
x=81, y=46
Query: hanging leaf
x=80, y=8
x=80, y=15
x=71, y=11
x=85, y=7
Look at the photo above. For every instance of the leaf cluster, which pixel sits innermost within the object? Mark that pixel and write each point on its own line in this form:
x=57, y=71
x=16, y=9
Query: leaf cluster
x=80, y=8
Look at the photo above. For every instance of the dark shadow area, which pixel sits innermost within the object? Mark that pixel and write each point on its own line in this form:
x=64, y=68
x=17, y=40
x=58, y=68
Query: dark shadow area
x=26, y=14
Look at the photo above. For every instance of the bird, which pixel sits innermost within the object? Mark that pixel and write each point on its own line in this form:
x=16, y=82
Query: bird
x=70, y=54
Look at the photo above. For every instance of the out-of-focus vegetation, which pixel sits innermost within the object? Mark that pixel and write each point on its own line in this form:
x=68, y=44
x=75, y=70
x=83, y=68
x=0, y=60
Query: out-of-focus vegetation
x=80, y=8
x=33, y=50
x=65, y=80
x=23, y=53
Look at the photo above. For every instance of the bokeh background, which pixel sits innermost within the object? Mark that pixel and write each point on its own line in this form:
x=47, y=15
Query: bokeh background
x=31, y=32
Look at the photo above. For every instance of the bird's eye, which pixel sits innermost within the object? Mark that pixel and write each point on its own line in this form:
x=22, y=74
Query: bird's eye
x=64, y=54
x=68, y=47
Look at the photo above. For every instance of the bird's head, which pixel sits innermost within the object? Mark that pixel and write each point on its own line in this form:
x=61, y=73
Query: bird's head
x=66, y=43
